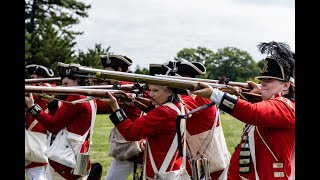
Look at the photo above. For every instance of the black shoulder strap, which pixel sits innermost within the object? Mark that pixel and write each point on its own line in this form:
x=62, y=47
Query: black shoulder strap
x=178, y=120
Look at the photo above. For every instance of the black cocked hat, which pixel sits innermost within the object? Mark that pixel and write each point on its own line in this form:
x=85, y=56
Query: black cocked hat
x=169, y=69
x=172, y=67
x=115, y=61
x=39, y=70
x=191, y=69
x=157, y=69
x=68, y=70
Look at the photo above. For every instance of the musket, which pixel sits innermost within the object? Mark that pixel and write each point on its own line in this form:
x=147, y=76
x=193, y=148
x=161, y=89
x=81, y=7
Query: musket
x=124, y=87
x=42, y=80
x=244, y=86
x=58, y=79
x=101, y=93
x=140, y=102
x=140, y=78
x=148, y=79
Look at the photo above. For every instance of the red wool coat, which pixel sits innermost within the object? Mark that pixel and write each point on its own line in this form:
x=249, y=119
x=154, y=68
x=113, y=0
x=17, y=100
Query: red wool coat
x=38, y=127
x=132, y=112
x=275, y=120
x=200, y=121
x=77, y=119
x=159, y=126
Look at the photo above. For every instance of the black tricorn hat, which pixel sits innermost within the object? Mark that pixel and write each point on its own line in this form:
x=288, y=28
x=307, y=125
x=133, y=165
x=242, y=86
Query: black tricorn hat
x=114, y=61
x=158, y=69
x=39, y=70
x=280, y=62
x=172, y=68
x=68, y=70
x=169, y=69
x=191, y=69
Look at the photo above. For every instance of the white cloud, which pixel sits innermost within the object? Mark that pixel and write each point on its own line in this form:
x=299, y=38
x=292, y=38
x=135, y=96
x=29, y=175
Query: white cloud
x=153, y=31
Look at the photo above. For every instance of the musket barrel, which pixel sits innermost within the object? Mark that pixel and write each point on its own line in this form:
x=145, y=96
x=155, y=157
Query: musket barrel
x=121, y=87
x=43, y=80
x=230, y=83
x=68, y=90
x=148, y=79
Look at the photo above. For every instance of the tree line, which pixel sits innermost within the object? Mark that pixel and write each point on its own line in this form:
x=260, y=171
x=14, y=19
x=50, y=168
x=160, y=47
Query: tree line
x=49, y=39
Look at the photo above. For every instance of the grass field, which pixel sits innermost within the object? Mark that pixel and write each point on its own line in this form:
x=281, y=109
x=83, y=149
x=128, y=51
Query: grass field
x=99, y=150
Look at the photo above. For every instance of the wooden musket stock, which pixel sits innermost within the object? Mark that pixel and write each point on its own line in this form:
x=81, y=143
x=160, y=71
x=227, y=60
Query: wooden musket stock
x=143, y=104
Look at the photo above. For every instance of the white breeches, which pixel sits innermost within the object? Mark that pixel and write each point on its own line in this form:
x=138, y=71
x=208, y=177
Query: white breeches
x=119, y=170
x=36, y=173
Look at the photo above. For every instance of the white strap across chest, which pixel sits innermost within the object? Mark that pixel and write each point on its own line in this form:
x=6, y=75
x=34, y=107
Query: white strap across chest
x=252, y=150
x=174, y=144
x=208, y=139
x=93, y=119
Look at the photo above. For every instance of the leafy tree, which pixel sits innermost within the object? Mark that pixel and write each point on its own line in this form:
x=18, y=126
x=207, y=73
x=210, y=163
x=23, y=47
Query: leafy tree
x=233, y=63
x=200, y=54
x=46, y=48
x=48, y=35
x=141, y=71
x=230, y=62
x=92, y=57
x=63, y=14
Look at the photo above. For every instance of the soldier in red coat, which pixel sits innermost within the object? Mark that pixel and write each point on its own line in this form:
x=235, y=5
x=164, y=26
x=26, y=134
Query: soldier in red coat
x=37, y=170
x=158, y=126
x=199, y=124
x=76, y=119
x=267, y=146
x=119, y=169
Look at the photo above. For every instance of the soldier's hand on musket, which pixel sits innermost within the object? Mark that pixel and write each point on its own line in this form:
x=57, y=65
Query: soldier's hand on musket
x=232, y=90
x=256, y=89
x=142, y=144
x=211, y=93
x=205, y=92
x=112, y=101
x=130, y=99
x=29, y=100
x=124, y=98
x=48, y=98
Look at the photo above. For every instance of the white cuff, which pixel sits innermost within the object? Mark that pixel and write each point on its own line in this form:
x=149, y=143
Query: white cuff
x=216, y=96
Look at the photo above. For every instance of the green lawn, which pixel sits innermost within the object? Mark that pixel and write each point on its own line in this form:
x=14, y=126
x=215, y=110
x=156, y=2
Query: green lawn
x=99, y=150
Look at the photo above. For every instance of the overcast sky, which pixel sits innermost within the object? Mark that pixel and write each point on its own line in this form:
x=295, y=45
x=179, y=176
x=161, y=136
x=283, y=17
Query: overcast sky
x=153, y=31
